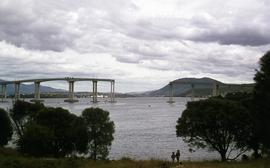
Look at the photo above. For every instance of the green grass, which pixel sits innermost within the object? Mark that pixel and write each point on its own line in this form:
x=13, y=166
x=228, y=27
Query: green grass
x=11, y=159
x=23, y=162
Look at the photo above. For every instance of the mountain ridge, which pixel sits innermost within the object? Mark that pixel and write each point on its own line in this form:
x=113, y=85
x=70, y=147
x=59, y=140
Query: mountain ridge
x=203, y=87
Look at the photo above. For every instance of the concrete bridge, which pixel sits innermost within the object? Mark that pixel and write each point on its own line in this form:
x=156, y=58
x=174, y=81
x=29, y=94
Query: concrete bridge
x=71, y=81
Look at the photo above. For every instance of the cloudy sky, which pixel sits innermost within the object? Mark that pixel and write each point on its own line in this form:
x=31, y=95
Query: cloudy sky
x=143, y=44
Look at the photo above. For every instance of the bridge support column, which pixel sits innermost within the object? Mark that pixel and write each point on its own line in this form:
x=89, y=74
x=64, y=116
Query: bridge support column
x=216, y=91
x=112, y=94
x=37, y=93
x=171, y=94
x=4, y=93
x=17, y=90
x=95, y=93
x=71, y=93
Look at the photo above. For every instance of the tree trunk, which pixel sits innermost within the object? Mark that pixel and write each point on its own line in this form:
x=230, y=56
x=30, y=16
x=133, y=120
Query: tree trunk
x=223, y=156
x=95, y=151
x=256, y=153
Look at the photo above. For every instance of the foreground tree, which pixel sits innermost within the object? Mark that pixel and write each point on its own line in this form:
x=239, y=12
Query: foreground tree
x=22, y=112
x=262, y=99
x=36, y=141
x=252, y=139
x=215, y=123
x=5, y=128
x=54, y=132
x=100, y=131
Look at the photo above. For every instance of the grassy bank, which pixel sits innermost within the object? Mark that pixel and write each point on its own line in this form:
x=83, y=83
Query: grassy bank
x=24, y=162
x=10, y=158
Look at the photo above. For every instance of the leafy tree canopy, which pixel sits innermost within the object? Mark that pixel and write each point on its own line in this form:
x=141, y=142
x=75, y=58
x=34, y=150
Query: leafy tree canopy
x=262, y=99
x=100, y=131
x=36, y=141
x=215, y=123
x=62, y=132
x=22, y=112
x=252, y=140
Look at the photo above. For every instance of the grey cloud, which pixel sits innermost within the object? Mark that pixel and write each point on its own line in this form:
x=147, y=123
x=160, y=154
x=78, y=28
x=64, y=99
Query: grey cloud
x=247, y=29
x=128, y=59
x=241, y=37
x=17, y=69
x=217, y=60
x=239, y=33
x=151, y=51
x=147, y=30
x=28, y=29
x=220, y=65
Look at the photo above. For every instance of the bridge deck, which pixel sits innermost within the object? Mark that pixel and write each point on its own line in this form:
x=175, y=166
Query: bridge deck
x=55, y=79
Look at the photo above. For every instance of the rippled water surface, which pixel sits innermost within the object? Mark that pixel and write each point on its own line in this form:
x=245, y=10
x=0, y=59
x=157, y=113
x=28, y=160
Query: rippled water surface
x=144, y=127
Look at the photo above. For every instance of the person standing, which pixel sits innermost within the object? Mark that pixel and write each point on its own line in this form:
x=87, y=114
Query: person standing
x=173, y=156
x=177, y=155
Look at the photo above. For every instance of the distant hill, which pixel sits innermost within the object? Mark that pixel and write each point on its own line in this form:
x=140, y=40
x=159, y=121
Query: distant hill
x=29, y=89
x=202, y=87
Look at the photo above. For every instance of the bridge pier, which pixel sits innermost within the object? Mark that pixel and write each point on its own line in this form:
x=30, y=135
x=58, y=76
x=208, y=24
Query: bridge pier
x=112, y=94
x=17, y=90
x=171, y=94
x=37, y=93
x=4, y=93
x=95, y=93
x=71, y=92
x=216, y=91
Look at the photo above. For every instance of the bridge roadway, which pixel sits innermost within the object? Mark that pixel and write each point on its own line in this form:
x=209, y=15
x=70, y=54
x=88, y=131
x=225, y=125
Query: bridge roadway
x=70, y=80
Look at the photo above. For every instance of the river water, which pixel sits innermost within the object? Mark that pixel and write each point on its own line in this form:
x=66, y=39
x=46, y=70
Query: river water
x=144, y=126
